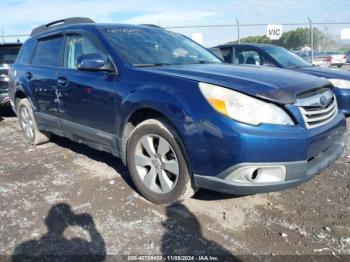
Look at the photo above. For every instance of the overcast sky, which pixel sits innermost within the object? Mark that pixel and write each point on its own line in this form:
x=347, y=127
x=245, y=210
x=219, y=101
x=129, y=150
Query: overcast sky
x=20, y=16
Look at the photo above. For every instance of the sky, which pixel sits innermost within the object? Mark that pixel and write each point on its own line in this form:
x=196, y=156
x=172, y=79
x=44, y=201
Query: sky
x=20, y=16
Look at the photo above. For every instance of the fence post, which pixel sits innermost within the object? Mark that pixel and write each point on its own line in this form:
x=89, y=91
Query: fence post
x=311, y=39
x=238, y=36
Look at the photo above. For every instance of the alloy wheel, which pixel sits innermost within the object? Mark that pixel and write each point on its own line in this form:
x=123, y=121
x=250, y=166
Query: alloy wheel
x=156, y=164
x=26, y=123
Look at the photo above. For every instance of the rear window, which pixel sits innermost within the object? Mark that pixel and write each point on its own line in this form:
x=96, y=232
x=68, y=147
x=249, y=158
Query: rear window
x=8, y=54
x=26, y=52
x=47, y=52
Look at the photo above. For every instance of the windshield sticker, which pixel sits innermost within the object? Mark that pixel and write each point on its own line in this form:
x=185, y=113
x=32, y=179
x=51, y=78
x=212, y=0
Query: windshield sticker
x=122, y=30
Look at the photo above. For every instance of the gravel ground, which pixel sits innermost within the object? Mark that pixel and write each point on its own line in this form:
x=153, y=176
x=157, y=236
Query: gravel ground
x=65, y=198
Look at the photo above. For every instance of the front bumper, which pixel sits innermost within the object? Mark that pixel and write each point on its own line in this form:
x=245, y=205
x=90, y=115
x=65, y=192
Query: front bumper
x=343, y=100
x=218, y=146
x=295, y=173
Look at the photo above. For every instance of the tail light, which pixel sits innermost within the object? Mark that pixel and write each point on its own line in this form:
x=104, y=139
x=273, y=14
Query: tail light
x=327, y=59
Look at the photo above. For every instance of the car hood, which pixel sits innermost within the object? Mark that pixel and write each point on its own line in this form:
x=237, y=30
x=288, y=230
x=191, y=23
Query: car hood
x=277, y=85
x=325, y=72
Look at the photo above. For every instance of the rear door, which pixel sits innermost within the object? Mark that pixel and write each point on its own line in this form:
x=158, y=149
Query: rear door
x=42, y=75
x=88, y=97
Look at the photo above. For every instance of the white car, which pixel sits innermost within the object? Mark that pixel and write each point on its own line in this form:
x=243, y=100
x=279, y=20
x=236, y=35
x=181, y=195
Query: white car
x=338, y=59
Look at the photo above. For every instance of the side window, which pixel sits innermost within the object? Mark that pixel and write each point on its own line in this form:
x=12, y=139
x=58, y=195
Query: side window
x=247, y=57
x=227, y=54
x=47, y=52
x=27, y=52
x=77, y=45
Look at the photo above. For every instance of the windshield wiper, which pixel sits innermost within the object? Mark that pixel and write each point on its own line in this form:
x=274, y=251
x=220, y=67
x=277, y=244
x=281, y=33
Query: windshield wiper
x=151, y=65
x=206, y=62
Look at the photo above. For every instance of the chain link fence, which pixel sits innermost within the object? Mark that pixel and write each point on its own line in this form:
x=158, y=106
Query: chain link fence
x=308, y=37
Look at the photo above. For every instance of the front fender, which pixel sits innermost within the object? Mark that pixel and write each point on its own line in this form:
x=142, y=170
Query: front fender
x=178, y=106
x=168, y=101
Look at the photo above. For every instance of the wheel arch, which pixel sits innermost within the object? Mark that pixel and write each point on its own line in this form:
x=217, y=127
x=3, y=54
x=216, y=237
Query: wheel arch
x=136, y=117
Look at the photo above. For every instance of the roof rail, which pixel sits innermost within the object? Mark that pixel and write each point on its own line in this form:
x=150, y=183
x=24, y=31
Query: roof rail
x=152, y=25
x=62, y=22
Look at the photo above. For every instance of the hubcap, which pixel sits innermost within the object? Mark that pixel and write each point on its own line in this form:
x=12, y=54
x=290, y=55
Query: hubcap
x=156, y=163
x=26, y=123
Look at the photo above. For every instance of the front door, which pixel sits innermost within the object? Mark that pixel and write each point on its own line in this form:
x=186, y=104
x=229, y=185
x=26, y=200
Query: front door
x=87, y=98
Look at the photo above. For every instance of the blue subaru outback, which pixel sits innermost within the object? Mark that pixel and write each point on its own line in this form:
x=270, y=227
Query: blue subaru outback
x=178, y=117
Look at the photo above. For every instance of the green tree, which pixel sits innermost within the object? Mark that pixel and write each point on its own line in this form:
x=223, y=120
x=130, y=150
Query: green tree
x=293, y=39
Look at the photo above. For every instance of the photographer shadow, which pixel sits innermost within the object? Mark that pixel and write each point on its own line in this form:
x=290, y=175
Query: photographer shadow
x=54, y=246
x=184, y=237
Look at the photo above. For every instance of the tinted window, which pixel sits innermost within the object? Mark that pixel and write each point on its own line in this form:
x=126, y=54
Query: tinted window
x=8, y=54
x=77, y=45
x=252, y=57
x=47, y=52
x=247, y=57
x=27, y=52
x=227, y=54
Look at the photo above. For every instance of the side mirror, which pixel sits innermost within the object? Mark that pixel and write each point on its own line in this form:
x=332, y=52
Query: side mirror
x=93, y=62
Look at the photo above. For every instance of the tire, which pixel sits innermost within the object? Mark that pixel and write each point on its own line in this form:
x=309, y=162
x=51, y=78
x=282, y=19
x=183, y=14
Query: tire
x=28, y=124
x=157, y=163
x=339, y=66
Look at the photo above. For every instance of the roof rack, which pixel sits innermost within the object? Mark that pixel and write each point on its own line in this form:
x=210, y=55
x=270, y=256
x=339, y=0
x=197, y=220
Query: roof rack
x=152, y=25
x=62, y=22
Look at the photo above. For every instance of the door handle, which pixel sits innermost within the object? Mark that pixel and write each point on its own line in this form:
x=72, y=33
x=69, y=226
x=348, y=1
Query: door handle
x=29, y=75
x=62, y=81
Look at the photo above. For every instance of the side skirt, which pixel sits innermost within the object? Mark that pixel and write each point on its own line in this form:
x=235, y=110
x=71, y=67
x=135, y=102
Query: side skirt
x=91, y=137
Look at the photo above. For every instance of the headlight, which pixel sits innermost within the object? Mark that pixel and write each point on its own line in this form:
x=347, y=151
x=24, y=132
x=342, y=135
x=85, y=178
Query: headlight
x=340, y=83
x=243, y=108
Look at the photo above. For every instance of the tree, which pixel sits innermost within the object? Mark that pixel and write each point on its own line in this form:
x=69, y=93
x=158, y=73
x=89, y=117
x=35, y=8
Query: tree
x=293, y=39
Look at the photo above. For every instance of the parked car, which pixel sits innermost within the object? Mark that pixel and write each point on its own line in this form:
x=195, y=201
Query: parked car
x=318, y=58
x=338, y=59
x=8, y=53
x=177, y=116
x=347, y=57
x=276, y=56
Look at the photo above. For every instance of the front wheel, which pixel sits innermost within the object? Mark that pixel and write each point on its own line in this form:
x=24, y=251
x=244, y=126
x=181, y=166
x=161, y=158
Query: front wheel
x=157, y=163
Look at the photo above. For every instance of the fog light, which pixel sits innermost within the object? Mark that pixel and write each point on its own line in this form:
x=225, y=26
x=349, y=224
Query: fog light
x=258, y=174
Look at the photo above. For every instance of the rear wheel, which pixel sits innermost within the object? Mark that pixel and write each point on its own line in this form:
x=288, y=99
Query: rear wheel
x=157, y=163
x=28, y=124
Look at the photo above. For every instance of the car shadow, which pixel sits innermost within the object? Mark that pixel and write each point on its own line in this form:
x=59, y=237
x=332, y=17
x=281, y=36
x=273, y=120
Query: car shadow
x=54, y=246
x=116, y=164
x=208, y=195
x=96, y=155
x=183, y=237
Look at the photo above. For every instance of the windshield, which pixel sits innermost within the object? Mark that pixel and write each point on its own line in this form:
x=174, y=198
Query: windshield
x=155, y=47
x=286, y=58
x=8, y=55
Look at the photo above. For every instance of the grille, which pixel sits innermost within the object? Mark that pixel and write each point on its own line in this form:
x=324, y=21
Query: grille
x=3, y=87
x=318, y=109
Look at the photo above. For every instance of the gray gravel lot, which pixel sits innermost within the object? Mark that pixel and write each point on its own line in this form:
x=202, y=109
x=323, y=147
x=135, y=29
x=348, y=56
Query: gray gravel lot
x=65, y=198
